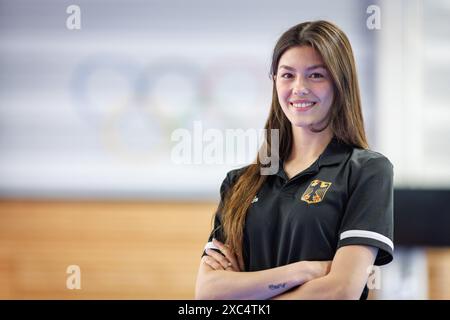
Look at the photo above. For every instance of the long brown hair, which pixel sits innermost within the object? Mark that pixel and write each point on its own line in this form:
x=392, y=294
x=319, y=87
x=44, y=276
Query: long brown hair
x=346, y=119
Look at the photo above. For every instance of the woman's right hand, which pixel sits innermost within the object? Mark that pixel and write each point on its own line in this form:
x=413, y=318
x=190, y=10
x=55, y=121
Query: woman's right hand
x=226, y=261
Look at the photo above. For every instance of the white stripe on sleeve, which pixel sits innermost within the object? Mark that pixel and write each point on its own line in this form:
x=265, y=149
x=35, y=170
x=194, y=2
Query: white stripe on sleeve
x=367, y=234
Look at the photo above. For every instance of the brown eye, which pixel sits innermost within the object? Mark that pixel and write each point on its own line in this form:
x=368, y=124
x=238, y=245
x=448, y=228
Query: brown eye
x=286, y=75
x=316, y=75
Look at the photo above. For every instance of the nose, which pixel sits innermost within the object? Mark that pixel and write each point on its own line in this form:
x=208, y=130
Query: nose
x=300, y=88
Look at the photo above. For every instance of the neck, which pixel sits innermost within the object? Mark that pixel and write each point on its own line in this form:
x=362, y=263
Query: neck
x=308, y=145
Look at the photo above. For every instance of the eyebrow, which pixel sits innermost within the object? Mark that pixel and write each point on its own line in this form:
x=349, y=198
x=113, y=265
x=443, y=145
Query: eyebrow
x=316, y=66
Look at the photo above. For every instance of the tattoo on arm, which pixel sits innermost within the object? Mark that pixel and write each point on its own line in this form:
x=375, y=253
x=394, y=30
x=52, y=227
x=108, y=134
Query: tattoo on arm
x=277, y=286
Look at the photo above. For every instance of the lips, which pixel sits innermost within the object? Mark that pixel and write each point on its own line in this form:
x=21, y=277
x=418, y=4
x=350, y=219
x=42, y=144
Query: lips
x=302, y=104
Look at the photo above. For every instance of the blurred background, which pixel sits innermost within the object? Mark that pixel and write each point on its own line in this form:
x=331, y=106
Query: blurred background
x=92, y=97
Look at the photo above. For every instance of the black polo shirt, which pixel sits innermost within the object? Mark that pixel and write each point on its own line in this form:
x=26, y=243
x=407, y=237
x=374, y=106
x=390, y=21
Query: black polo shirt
x=344, y=198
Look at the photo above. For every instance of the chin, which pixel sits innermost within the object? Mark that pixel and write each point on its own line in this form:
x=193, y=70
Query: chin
x=301, y=124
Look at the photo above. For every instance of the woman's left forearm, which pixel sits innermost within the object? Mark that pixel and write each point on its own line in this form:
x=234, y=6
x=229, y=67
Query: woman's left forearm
x=325, y=288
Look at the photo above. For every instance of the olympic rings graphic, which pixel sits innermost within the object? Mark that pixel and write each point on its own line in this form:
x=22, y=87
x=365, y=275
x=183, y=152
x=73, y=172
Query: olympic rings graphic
x=169, y=93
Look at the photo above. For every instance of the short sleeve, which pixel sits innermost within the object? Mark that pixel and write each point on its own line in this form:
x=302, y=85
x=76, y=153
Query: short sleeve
x=217, y=232
x=368, y=217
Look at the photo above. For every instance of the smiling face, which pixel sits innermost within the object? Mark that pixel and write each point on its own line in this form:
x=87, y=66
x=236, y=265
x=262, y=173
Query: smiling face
x=304, y=87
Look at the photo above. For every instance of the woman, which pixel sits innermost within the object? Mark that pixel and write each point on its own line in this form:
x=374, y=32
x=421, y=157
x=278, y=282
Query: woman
x=314, y=229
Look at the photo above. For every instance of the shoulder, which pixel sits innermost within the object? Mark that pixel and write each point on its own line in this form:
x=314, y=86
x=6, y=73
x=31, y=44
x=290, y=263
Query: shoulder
x=368, y=166
x=230, y=179
x=233, y=175
x=368, y=159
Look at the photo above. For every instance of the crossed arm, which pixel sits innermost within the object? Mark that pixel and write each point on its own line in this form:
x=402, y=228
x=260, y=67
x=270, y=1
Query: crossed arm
x=220, y=277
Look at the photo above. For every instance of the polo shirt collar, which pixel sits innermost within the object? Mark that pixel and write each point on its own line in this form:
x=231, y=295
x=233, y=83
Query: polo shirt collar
x=334, y=153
